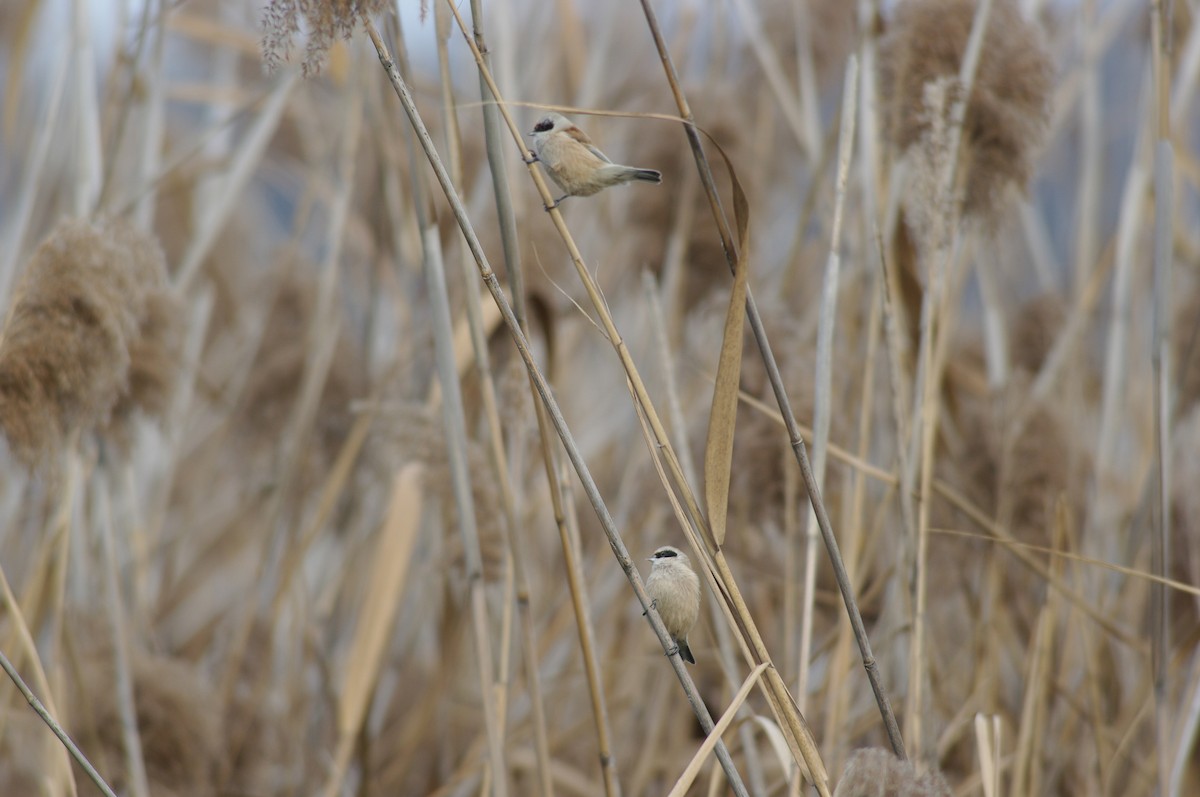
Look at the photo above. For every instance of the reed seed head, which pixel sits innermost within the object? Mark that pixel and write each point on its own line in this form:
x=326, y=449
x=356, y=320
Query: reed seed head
x=1007, y=115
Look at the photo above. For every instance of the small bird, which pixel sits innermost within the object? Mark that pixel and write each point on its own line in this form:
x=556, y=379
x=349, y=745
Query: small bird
x=675, y=592
x=574, y=162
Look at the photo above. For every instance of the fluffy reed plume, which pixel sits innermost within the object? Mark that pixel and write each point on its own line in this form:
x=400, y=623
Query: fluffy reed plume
x=91, y=337
x=178, y=720
x=326, y=21
x=1008, y=111
x=875, y=772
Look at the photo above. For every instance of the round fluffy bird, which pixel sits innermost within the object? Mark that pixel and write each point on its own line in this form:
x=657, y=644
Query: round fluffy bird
x=575, y=164
x=675, y=590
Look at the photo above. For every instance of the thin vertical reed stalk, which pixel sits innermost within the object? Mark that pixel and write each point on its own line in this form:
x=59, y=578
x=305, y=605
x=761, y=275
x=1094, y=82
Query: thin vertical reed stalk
x=776, y=380
x=543, y=388
x=514, y=563
x=512, y=258
x=823, y=378
x=32, y=180
x=495, y=428
x=454, y=424
x=931, y=328
x=153, y=124
x=1091, y=132
x=838, y=691
x=224, y=196
x=127, y=103
x=566, y=519
x=1160, y=359
x=995, y=336
x=803, y=126
x=131, y=740
x=1116, y=377
x=89, y=171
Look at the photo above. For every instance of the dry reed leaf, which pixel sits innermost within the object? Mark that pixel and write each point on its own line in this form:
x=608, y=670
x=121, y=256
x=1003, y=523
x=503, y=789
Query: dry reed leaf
x=722, y=419
x=987, y=741
x=693, y=768
x=397, y=539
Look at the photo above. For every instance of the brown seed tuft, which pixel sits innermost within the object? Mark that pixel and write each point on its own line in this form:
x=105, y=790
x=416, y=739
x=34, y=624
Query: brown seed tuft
x=1009, y=108
x=80, y=314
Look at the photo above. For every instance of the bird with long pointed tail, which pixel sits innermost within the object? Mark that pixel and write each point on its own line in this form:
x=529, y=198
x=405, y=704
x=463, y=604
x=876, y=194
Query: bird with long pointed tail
x=575, y=164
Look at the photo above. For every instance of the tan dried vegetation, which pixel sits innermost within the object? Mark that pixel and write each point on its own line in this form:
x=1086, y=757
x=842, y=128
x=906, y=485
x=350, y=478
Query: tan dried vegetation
x=295, y=617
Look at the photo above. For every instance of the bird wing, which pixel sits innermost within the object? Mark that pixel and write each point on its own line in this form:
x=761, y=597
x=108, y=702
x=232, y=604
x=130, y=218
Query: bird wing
x=581, y=137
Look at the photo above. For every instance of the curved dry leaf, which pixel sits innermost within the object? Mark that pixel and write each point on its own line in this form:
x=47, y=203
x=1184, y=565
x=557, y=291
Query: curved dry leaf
x=722, y=419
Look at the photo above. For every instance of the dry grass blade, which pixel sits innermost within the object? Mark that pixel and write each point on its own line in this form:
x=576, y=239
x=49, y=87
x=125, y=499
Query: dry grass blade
x=1152, y=578
x=823, y=378
x=987, y=742
x=130, y=737
x=364, y=657
x=722, y=419
x=693, y=768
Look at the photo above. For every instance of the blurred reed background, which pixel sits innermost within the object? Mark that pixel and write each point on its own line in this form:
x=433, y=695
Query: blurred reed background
x=235, y=559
